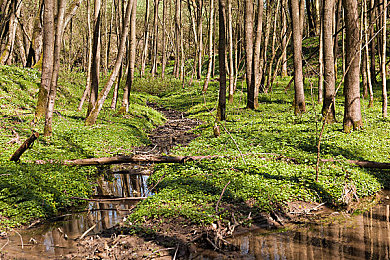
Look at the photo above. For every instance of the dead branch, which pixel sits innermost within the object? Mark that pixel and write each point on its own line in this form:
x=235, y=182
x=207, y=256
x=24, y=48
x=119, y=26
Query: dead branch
x=26, y=145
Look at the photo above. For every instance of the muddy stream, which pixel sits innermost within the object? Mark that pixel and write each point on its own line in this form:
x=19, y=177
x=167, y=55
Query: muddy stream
x=365, y=236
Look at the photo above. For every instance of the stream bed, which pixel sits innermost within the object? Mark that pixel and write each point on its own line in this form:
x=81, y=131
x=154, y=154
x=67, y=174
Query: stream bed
x=364, y=236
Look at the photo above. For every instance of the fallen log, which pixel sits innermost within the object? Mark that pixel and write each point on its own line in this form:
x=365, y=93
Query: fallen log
x=108, y=200
x=363, y=164
x=26, y=145
x=137, y=159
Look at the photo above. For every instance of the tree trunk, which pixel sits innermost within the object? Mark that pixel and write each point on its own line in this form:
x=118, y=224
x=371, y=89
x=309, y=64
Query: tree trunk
x=95, y=69
x=155, y=38
x=321, y=60
x=131, y=58
x=366, y=53
x=248, y=23
x=87, y=90
x=352, y=110
x=231, y=62
x=257, y=62
x=6, y=55
x=211, y=44
x=384, y=87
x=178, y=37
x=59, y=32
x=284, y=37
x=221, y=110
x=372, y=41
x=91, y=119
x=199, y=24
x=328, y=109
x=164, y=55
x=146, y=40
x=299, y=102
x=273, y=52
x=35, y=49
x=47, y=59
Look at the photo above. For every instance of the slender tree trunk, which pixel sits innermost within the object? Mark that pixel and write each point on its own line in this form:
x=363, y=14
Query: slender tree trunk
x=299, y=102
x=95, y=69
x=352, y=110
x=131, y=58
x=328, y=109
x=321, y=60
x=284, y=37
x=110, y=36
x=372, y=41
x=231, y=62
x=87, y=90
x=114, y=100
x=274, y=50
x=155, y=38
x=146, y=40
x=200, y=36
x=48, y=59
x=178, y=37
x=363, y=65
x=257, y=63
x=366, y=53
x=35, y=49
x=338, y=18
x=248, y=23
x=56, y=67
x=221, y=111
x=164, y=55
x=91, y=119
x=6, y=55
x=211, y=44
x=384, y=87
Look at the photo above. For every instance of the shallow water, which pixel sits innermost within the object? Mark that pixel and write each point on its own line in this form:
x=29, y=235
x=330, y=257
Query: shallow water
x=57, y=238
x=366, y=236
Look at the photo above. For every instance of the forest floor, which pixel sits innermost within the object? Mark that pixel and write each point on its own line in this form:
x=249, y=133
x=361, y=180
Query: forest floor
x=262, y=173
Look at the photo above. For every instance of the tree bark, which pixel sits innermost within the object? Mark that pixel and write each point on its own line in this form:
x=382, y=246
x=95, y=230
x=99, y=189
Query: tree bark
x=91, y=119
x=48, y=59
x=221, y=110
x=87, y=90
x=211, y=44
x=299, y=102
x=26, y=145
x=384, y=87
x=95, y=69
x=352, y=110
x=284, y=37
x=248, y=23
x=328, y=108
x=231, y=62
x=59, y=32
x=146, y=40
x=164, y=55
x=131, y=58
x=155, y=38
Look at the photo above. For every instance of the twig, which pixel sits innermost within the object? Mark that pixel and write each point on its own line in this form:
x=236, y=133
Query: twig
x=177, y=248
x=150, y=190
x=238, y=148
x=220, y=197
x=21, y=239
x=88, y=230
x=1, y=249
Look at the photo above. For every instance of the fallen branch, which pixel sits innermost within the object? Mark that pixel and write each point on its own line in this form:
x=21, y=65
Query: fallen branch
x=111, y=199
x=26, y=145
x=364, y=164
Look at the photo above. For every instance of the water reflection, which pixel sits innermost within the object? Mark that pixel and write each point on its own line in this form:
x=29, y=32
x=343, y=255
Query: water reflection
x=366, y=236
x=57, y=238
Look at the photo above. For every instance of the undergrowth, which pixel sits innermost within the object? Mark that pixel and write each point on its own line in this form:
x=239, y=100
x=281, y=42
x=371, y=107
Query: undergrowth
x=29, y=191
x=269, y=157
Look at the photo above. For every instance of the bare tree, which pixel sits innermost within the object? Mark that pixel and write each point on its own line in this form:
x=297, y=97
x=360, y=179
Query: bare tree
x=352, y=109
x=328, y=109
x=383, y=64
x=221, y=111
x=92, y=117
x=299, y=102
x=211, y=44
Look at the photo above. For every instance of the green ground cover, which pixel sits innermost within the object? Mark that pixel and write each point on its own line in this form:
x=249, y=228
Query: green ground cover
x=29, y=191
x=192, y=190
